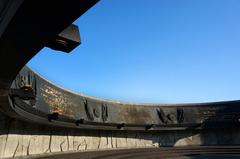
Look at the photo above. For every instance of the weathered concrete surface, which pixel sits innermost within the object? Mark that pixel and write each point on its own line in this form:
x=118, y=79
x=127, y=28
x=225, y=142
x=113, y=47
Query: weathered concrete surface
x=20, y=138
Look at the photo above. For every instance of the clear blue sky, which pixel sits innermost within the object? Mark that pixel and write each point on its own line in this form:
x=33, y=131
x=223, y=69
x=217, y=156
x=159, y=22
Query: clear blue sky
x=153, y=51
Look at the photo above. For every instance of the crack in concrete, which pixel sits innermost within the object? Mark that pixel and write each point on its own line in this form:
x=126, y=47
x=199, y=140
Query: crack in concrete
x=68, y=141
x=111, y=139
x=7, y=135
x=28, y=146
x=50, y=142
x=61, y=148
x=15, y=151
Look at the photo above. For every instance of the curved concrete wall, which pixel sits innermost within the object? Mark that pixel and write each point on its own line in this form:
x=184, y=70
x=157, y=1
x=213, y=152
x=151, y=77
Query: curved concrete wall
x=38, y=100
x=19, y=138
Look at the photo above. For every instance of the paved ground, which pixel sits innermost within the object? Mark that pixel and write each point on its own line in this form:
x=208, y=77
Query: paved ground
x=228, y=152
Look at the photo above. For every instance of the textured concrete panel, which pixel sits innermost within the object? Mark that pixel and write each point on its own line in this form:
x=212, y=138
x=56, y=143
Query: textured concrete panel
x=19, y=138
